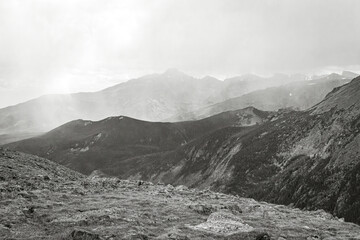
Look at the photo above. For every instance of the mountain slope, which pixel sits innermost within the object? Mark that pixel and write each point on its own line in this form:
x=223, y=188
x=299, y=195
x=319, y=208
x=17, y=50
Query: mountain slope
x=152, y=97
x=308, y=158
x=8, y=138
x=298, y=95
x=42, y=200
x=86, y=146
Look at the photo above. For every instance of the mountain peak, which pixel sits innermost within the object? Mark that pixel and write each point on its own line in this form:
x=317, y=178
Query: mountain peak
x=349, y=74
x=343, y=97
x=173, y=72
x=210, y=78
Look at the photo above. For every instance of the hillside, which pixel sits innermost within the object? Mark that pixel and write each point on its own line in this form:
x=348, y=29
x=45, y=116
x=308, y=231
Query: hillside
x=42, y=200
x=8, y=138
x=306, y=158
x=297, y=95
x=86, y=146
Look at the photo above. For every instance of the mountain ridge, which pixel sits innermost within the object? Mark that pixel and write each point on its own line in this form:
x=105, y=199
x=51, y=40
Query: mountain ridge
x=156, y=97
x=83, y=144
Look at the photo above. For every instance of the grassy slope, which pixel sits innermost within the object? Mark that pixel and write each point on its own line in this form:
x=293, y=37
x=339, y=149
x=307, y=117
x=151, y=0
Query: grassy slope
x=109, y=208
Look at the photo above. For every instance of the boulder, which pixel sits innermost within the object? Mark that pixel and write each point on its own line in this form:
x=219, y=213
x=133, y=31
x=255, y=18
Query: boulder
x=225, y=223
x=80, y=234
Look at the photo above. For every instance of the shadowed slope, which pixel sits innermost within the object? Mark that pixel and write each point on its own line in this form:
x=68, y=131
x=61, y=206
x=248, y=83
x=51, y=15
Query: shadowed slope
x=87, y=146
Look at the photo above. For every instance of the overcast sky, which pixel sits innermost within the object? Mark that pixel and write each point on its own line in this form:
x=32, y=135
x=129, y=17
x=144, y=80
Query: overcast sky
x=62, y=46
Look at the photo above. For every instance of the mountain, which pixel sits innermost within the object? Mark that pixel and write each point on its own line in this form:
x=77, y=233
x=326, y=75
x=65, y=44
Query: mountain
x=155, y=97
x=344, y=75
x=240, y=85
x=297, y=95
x=309, y=158
x=86, y=145
x=152, y=97
x=43, y=200
x=348, y=74
x=306, y=158
x=8, y=138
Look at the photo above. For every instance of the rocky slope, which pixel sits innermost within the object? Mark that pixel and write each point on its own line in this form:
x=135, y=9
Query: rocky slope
x=306, y=158
x=42, y=200
x=86, y=146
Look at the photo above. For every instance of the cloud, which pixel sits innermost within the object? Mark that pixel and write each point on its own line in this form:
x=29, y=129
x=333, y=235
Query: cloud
x=42, y=41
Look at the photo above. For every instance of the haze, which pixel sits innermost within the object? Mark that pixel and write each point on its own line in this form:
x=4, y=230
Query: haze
x=70, y=46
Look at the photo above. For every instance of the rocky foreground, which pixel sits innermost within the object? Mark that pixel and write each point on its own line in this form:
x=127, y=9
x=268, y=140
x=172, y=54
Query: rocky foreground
x=42, y=200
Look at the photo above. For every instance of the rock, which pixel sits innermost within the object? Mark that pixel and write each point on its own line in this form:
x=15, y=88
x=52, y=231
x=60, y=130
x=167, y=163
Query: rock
x=46, y=178
x=29, y=212
x=181, y=188
x=234, y=208
x=263, y=236
x=323, y=215
x=313, y=237
x=223, y=222
x=176, y=236
x=26, y=195
x=202, y=209
x=138, y=236
x=79, y=234
x=4, y=231
x=173, y=235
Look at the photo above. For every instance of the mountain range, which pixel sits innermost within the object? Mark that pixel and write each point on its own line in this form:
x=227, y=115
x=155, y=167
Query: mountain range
x=160, y=97
x=296, y=95
x=307, y=158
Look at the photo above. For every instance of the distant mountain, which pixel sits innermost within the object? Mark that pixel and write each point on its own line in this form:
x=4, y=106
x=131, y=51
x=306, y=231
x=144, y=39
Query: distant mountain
x=87, y=146
x=237, y=86
x=8, y=138
x=152, y=97
x=344, y=74
x=297, y=95
x=348, y=74
x=156, y=97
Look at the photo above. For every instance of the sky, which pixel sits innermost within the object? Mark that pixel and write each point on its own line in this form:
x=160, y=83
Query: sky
x=63, y=46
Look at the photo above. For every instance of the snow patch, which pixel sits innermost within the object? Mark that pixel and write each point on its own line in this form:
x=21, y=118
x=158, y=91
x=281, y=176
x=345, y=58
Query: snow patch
x=97, y=137
x=85, y=149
